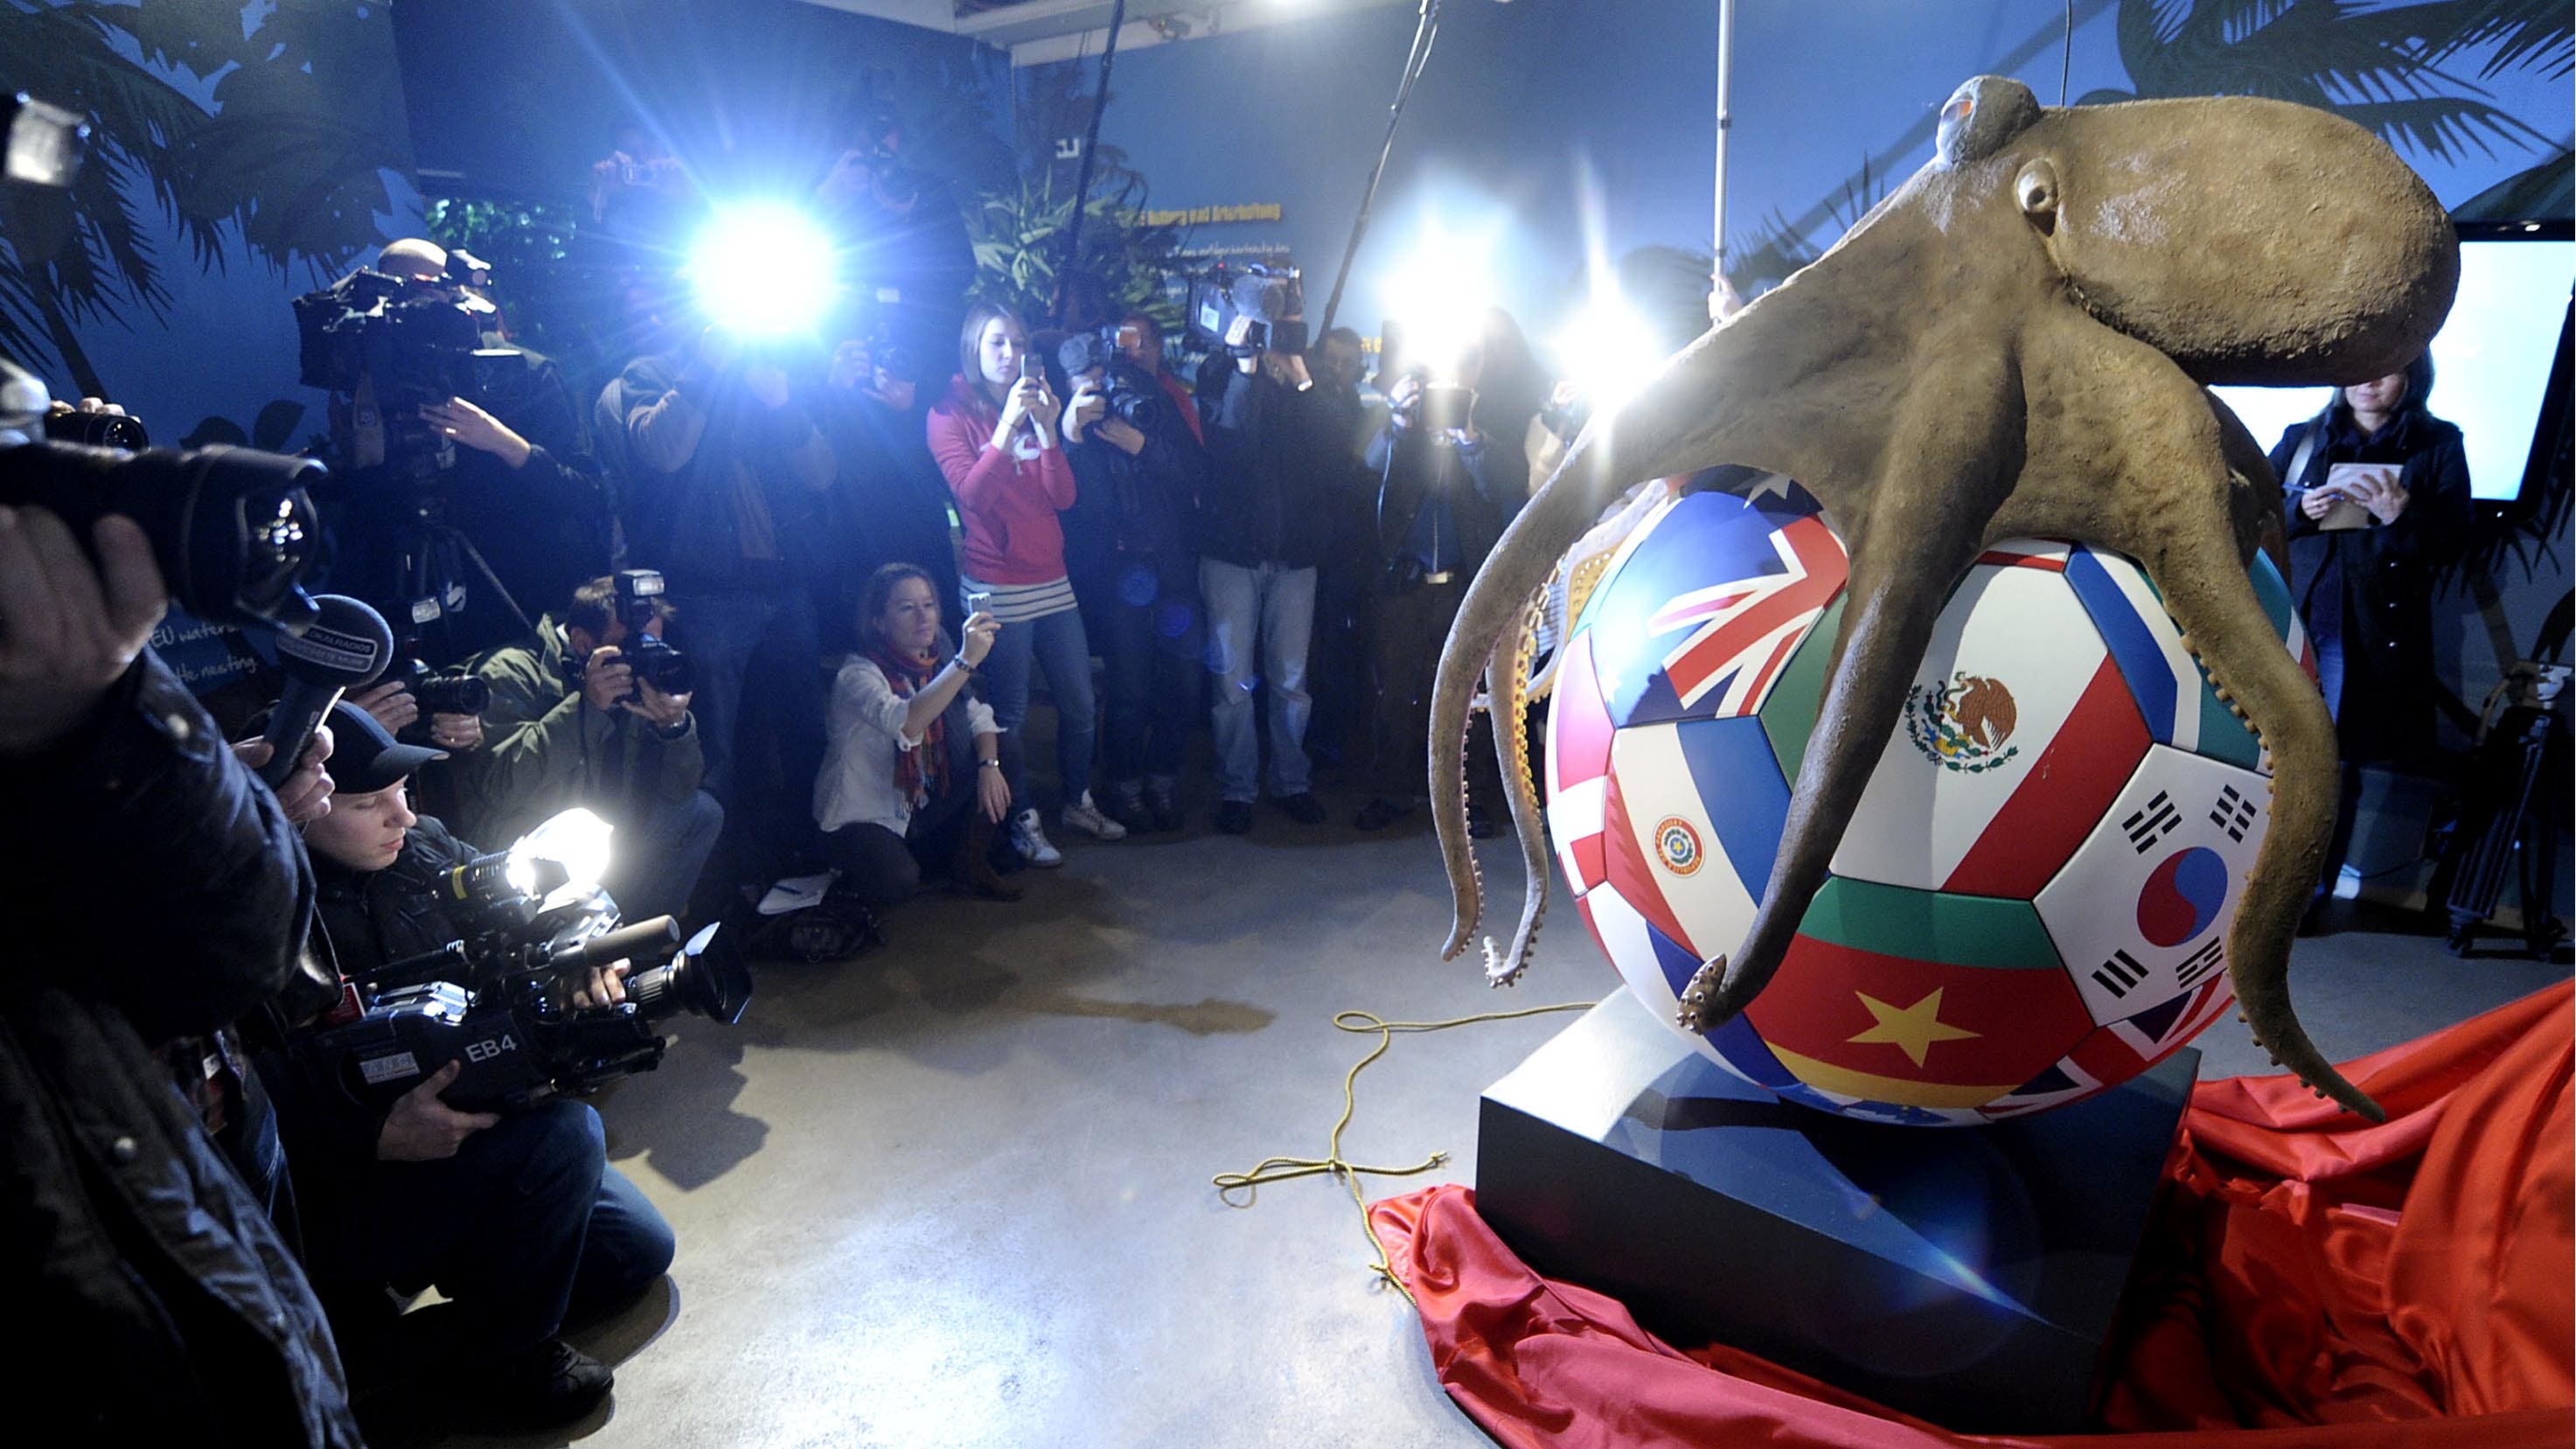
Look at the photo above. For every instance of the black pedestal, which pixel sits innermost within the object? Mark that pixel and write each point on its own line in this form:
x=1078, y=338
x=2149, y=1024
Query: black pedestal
x=1969, y=1276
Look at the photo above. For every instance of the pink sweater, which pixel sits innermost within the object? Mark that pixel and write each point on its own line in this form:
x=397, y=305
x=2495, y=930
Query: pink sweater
x=1009, y=500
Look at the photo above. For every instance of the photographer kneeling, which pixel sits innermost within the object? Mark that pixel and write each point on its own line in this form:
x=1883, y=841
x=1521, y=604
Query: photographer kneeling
x=913, y=775
x=573, y=720
x=517, y=1218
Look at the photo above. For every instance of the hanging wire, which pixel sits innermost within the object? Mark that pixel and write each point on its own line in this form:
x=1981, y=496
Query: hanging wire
x=2066, y=62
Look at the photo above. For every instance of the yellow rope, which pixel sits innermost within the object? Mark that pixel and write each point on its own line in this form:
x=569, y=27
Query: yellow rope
x=1282, y=1169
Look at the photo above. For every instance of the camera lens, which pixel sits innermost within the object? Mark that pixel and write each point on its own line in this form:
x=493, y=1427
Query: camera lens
x=234, y=530
x=453, y=694
x=663, y=667
x=98, y=430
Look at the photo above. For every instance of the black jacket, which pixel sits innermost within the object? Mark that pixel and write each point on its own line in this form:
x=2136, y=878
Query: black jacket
x=365, y=921
x=156, y=892
x=2378, y=580
x=692, y=457
x=1270, y=468
x=1138, y=506
x=890, y=504
x=1442, y=506
x=541, y=528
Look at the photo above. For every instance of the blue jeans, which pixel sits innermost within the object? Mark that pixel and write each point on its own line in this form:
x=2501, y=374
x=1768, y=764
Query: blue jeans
x=1153, y=641
x=525, y=1226
x=1277, y=604
x=1057, y=645
x=658, y=856
x=759, y=706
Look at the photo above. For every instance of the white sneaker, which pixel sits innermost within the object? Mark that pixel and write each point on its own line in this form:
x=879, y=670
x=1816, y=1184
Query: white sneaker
x=1029, y=838
x=1085, y=818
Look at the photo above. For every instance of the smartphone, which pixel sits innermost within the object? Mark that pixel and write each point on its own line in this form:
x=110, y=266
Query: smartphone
x=977, y=604
x=1028, y=365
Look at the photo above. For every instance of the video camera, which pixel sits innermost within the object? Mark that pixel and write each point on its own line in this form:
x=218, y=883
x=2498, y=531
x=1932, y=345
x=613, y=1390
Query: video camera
x=500, y=1001
x=421, y=343
x=233, y=530
x=1268, y=295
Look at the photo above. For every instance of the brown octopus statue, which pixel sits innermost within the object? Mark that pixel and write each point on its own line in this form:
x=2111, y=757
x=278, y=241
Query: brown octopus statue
x=2015, y=344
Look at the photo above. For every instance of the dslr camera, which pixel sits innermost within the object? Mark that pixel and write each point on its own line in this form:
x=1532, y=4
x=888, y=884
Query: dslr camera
x=639, y=603
x=500, y=1001
x=1131, y=394
x=441, y=691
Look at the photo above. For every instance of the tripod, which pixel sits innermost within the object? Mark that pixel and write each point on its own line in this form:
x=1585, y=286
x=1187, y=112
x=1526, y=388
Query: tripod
x=434, y=556
x=2517, y=773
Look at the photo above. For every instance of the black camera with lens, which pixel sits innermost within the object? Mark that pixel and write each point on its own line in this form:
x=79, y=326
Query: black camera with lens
x=501, y=1002
x=1131, y=394
x=449, y=691
x=639, y=604
x=234, y=530
x=96, y=430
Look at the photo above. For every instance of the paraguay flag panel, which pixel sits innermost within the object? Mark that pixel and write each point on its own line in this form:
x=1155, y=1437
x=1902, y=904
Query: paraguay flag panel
x=2139, y=912
x=1973, y=776
x=1696, y=862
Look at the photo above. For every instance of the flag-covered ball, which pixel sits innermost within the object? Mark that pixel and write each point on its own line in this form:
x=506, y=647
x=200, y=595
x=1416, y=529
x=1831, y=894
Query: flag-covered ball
x=2032, y=901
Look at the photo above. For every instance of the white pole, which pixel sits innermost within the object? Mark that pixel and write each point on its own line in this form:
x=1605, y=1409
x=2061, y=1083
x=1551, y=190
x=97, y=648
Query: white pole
x=1725, y=120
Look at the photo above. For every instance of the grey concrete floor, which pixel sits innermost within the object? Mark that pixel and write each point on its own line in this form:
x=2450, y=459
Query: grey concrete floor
x=956, y=1192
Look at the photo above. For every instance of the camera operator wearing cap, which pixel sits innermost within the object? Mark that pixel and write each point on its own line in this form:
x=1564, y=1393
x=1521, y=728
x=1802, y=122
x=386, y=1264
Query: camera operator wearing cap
x=516, y=1218
x=155, y=893
x=574, y=723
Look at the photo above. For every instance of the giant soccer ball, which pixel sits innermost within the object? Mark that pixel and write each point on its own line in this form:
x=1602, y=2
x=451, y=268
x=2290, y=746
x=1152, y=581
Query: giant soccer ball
x=2031, y=904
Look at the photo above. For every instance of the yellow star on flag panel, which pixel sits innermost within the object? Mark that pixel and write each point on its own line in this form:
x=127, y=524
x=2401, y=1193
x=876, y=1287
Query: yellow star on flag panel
x=1911, y=1029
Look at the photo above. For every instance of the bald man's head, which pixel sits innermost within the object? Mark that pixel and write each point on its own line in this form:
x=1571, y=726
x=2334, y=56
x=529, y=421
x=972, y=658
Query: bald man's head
x=413, y=259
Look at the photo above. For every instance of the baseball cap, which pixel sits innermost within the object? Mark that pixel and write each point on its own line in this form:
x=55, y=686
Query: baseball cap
x=365, y=757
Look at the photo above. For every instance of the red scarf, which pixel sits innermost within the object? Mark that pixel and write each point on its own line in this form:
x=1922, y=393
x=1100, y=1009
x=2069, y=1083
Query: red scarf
x=920, y=774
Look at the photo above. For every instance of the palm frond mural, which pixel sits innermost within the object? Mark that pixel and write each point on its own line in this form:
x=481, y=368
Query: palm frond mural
x=284, y=160
x=2373, y=65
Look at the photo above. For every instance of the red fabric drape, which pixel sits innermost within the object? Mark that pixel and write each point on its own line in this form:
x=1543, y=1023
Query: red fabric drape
x=2314, y=1282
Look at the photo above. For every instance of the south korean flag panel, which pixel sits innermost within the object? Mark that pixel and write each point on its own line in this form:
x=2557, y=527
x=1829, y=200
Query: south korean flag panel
x=2140, y=912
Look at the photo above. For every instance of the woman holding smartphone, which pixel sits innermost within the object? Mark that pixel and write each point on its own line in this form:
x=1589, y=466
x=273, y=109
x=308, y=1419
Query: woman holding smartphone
x=995, y=439
x=2377, y=506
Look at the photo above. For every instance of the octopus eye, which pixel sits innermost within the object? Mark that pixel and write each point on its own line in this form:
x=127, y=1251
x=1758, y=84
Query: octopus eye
x=2036, y=190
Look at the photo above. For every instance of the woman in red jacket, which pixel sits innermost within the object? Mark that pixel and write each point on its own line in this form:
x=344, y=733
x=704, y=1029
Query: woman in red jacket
x=995, y=439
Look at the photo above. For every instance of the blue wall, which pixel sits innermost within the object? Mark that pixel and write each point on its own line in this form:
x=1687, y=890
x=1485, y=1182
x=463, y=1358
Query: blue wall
x=1518, y=98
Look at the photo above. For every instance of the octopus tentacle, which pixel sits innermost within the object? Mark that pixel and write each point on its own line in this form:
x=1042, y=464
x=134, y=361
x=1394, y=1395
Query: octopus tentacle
x=1495, y=603
x=1505, y=680
x=2222, y=622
